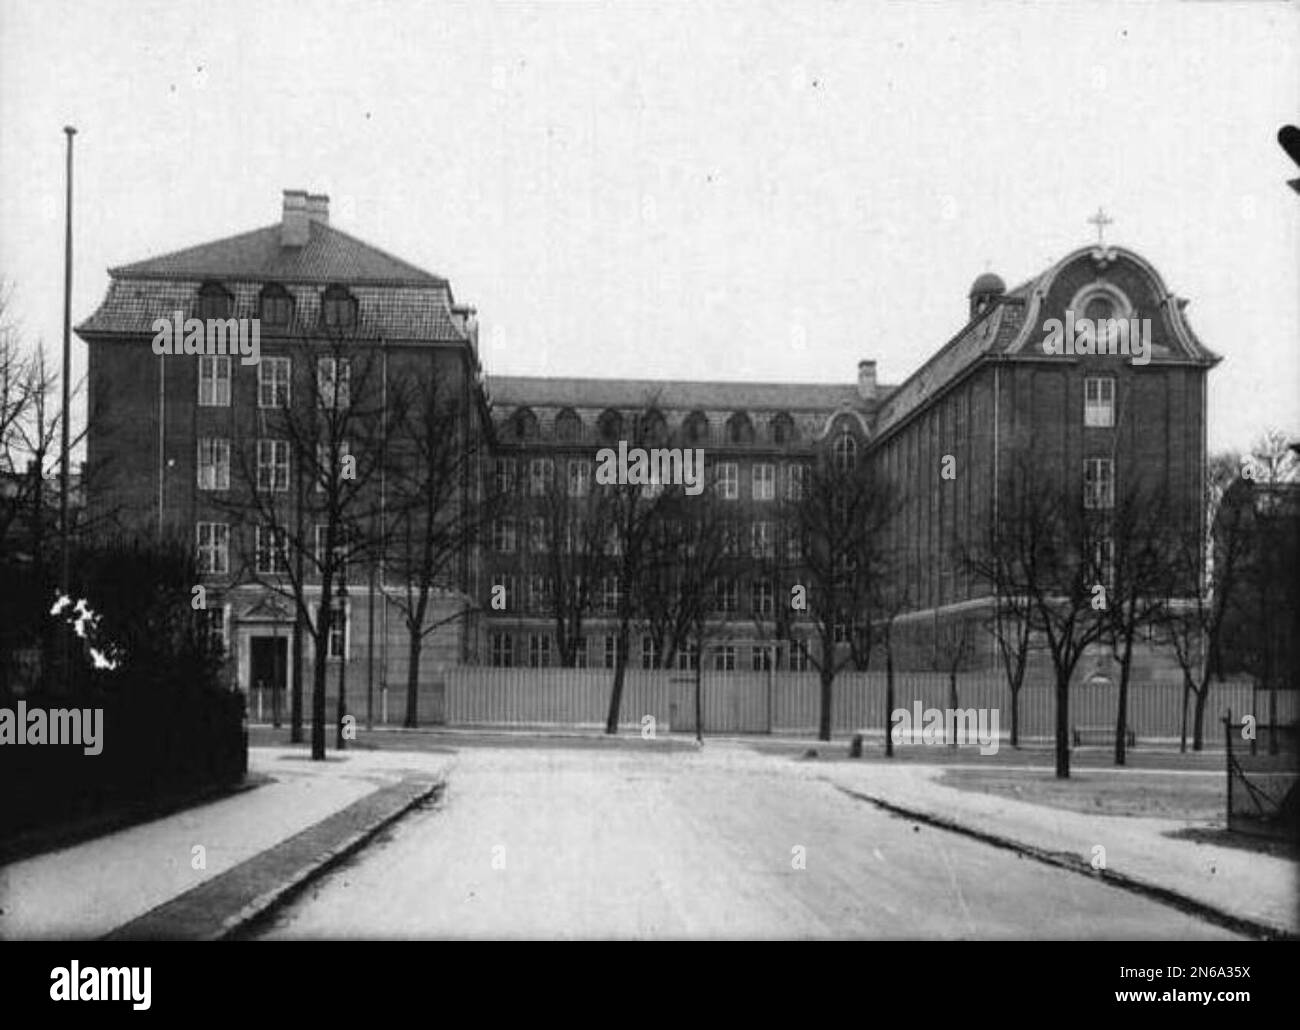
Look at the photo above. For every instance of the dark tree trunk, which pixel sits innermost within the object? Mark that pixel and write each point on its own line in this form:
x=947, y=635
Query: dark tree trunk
x=414, y=647
x=1062, y=725
x=340, y=741
x=620, y=668
x=1015, y=715
x=1198, y=718
x=699, y=703
x=889, y=700
x=952, y=703
x=318, y=681
x=824, y=721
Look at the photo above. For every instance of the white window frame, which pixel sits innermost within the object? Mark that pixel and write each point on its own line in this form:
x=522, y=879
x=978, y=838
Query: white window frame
x=579, y=477
x=797, y=481
x=272, y=459
x=539, y=650
x=503, y=650
x=729, y=480
x=214, y=554
x=1098, y=483
x=265, y=544
x=763, y=478
x=333, y=383
x=541, y=472
x=503, y=536
x=1099, y=402
x=214, y=381
x=214, y=463
x=273, y=375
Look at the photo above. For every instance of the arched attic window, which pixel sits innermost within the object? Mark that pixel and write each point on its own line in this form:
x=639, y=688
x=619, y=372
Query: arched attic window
x=844, y=451
x=782, y=427
x=696, y=428
x=610, y=426
x=523, y=424
x=740, y=429
x=654, y=428
x=568, y=426
x=215, y=301
x=275, y=306
x=338, y=308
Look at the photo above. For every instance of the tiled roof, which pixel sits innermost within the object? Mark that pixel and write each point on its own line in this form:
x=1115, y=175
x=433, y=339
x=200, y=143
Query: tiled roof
x=387, y=312
x=328, y=256
x=992, y=332
x=669, y=394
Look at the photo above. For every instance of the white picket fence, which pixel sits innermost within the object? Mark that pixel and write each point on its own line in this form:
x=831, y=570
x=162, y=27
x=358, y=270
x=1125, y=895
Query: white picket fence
x=784, y=702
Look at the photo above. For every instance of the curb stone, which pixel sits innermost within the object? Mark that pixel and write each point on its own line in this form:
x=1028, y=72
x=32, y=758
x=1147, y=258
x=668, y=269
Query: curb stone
x=1076, y=864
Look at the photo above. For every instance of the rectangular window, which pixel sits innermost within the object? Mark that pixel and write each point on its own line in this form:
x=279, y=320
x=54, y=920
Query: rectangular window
x=539, y=650
x=724, y=594
x=649, y=653
x=728, y=480
x=339, y=565
x=540, y=471
x=503, y=536
x=760, y=658
x=212, y=621
x=797, y=483
x=272, y=553
x=580, y=653
x=333, y=382
x=214, y=381
x=214, y=463
x=1103, y=556
x=325, y=473
x=338, y=630
x=611, y=595
x=505, y=475
x=1099, y=401
x=764, y=482
x=794, y=547
x=503, y=587
x=273, y=383
x=579, y=478
x=539, y=593
x=611, y=650
x=724, y=658
x=538, y=541
x=761, y=596
x=798, y=656
x=273, y=465
x=760, y=540
x=688, y=657
x=1098, y=483
x=503, y=650
x=214, y=547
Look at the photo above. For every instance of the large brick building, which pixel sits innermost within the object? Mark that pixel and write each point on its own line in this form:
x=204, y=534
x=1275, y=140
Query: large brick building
x=176, y=440
x=168, y=434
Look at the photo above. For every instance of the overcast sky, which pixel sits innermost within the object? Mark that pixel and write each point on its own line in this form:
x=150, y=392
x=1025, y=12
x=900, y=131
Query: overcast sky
x=765, y=191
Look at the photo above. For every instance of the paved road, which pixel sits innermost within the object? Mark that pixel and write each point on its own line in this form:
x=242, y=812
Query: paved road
x=654, y=843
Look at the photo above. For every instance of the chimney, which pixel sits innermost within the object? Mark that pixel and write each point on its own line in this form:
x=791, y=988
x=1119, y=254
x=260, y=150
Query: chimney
x=867, y=380
x=318, y=208
x=294, y=230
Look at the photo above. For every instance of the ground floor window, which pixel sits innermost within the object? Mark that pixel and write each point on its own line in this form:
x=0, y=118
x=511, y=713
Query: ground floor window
x=503, y=650
x=724, y=658
x=539, y=650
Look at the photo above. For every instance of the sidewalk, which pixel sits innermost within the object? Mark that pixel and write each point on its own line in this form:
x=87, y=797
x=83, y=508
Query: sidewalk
x=1257, y=889
x=300, y=815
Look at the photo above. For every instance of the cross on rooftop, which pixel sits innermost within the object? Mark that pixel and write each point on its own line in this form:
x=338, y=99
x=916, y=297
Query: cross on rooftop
x=1100, y=221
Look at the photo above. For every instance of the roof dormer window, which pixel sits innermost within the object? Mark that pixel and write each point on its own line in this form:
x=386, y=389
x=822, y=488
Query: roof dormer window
x=275, y=307
x=215, y=301
x=339, y=308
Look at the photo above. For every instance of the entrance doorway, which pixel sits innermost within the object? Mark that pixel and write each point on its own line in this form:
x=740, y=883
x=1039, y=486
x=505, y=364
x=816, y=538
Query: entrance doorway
x=267, y=675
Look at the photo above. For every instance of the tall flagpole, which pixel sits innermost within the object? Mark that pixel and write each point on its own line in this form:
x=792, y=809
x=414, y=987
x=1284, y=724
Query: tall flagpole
x=66, y=578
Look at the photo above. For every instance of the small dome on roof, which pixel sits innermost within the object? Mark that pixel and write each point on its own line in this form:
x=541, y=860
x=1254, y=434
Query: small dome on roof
x=987, y=282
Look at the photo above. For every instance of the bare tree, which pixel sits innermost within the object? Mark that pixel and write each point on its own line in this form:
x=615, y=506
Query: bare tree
x=1048, y=546
x=1204, y=577
x=437, y=507
x=306, y=538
